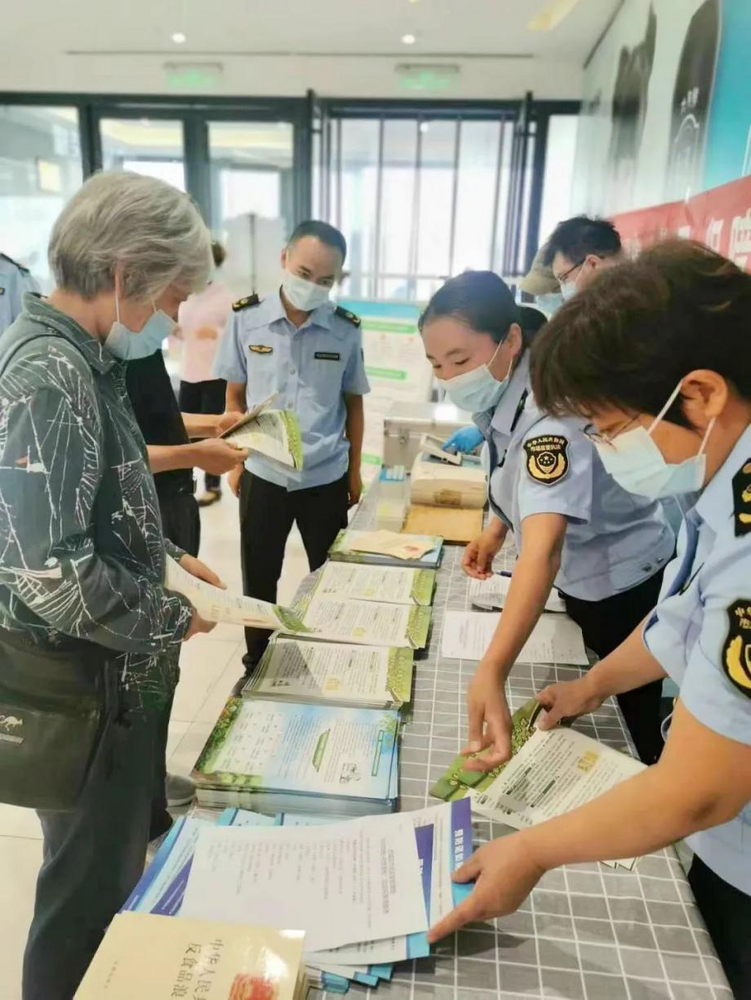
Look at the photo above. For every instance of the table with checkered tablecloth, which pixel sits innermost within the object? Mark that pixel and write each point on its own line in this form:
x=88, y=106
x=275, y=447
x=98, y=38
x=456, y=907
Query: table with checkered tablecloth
x=587, y=932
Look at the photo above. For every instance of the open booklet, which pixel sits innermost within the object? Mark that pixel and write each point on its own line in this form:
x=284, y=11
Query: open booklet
x=332, y=672
x=275, y=434
x=367, y=623
x=216, y=605
x=387, y=584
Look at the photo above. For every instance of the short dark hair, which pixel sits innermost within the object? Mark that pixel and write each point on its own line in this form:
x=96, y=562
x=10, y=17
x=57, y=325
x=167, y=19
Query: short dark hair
x=322, y=231
x=483, y=301
x=630, y=337
x=218, y=253
x=576, y=238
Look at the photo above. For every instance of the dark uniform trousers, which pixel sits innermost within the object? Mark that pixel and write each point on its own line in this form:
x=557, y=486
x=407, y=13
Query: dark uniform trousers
x=204, y=397
x=727, y=914
x=181, y=523
x=605, y=624
x=267, y=513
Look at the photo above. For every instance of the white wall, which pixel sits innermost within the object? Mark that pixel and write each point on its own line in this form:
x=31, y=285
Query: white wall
x=290, y=76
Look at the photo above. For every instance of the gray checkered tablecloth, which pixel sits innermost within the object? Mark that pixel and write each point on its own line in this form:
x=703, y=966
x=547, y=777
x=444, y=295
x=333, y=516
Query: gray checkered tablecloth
x=587, y=932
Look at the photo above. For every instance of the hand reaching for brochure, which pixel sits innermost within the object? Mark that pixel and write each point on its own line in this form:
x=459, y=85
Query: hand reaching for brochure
x=464, y=440
x=489, y=720
x=200, y=570
x=567, y=701
x=505, y=872
x=478, y=557
x=225, y=421
x=217, y=456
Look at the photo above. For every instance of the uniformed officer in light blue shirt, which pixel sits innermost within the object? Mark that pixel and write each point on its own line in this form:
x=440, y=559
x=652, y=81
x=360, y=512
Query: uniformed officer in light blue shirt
x=14, y=281
x=298, y=344
x=679, y=317
x=574, y=527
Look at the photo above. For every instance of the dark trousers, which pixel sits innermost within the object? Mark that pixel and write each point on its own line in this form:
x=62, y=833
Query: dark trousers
x=181, y=523
x=727, y=914
x=267, y=513
x=204, y=397
x=93, y=857
x=605, y=624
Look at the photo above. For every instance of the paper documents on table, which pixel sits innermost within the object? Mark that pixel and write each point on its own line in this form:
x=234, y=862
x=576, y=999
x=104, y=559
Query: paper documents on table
x=364, y=875
x=553, y=773
x=491, y=594
x=156, y=958
x=387, y=548
x=217, y=605
x=388, y=584
x=555, y=639
x=369, y=676
x=365, y=623
x=275, y=434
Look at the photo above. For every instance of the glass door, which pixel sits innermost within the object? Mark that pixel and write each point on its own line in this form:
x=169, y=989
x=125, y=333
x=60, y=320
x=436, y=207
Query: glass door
x=151, y=146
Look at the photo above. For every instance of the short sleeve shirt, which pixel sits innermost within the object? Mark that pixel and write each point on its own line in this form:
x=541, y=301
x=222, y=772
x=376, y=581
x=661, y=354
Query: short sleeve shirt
x=14, y=281
x=541, y=464
x=311, y=368
x=701, y=634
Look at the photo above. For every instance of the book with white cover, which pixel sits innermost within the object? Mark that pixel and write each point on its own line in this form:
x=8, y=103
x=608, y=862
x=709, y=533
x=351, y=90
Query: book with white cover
x=334, y=673
x=159, y=958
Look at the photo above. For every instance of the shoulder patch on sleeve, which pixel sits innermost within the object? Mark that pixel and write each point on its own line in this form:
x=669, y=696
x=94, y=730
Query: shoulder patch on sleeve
x=348, y=316
x=547, y=458
x=742, y=499
x=736, y=653
x=245, y=303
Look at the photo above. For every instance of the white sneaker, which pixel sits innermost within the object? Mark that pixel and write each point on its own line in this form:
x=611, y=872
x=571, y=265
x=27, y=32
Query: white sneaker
x=180, y=791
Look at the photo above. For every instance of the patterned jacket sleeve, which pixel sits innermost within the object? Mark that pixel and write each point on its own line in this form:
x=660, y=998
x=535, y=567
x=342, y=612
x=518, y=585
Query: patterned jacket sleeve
x=50, y=468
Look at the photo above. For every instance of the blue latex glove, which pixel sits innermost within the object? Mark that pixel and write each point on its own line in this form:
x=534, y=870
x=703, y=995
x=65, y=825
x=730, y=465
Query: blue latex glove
x=464, y=441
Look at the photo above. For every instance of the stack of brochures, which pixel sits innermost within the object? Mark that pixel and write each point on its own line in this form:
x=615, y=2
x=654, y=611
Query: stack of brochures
x=333, y=673
x=382, y=881
x=154, y=958
x=368, y=623
x=277, y=756
x=387, y=548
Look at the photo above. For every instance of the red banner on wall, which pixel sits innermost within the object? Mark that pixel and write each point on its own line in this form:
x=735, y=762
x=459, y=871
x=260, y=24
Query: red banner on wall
x=720, y=217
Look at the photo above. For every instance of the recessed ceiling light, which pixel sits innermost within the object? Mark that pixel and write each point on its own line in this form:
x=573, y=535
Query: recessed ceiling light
x=179, y=38
x=424, y=127
x=409, y=39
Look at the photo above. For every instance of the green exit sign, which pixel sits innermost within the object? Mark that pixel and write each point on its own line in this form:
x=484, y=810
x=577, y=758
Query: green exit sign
x=198, y=77
x=426, y=77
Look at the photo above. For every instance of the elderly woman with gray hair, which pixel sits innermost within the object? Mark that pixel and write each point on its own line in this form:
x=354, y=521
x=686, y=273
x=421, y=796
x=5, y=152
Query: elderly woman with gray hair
x=83, y=557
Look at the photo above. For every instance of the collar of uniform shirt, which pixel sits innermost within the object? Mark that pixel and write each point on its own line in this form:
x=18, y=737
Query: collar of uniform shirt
x=715, y=505
x=320, y=317
x=92, y=349
x=506, y=411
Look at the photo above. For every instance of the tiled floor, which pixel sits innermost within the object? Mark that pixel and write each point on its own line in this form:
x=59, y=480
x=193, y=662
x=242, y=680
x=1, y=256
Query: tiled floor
x=210, y=666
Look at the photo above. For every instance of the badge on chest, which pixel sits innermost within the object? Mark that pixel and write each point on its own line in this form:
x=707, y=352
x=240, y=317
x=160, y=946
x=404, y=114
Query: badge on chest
x=260, y=349
x=742, y=499
x=547, y=458
x=327, y=356
x=736, y=653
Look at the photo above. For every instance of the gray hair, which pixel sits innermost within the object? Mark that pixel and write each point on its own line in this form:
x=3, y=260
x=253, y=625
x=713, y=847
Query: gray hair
x=148, y=229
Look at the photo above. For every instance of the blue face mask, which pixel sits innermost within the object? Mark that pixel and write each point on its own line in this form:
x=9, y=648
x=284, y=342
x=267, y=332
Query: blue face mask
x=477, y=390
x=130, y=346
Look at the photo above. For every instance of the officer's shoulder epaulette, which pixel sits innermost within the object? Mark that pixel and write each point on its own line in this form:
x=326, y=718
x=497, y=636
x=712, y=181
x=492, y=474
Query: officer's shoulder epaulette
x=21, y=268
x=347, y=315
x=246, y=303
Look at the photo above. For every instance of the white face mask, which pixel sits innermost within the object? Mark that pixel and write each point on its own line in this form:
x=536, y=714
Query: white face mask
x=129, y=345
x=304, y=295
x=637, y=464
x=479, y=389
x=568, y=290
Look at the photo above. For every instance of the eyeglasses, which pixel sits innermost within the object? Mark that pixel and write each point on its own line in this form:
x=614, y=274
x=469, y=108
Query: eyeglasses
x=591, y=432
x=560, y=278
